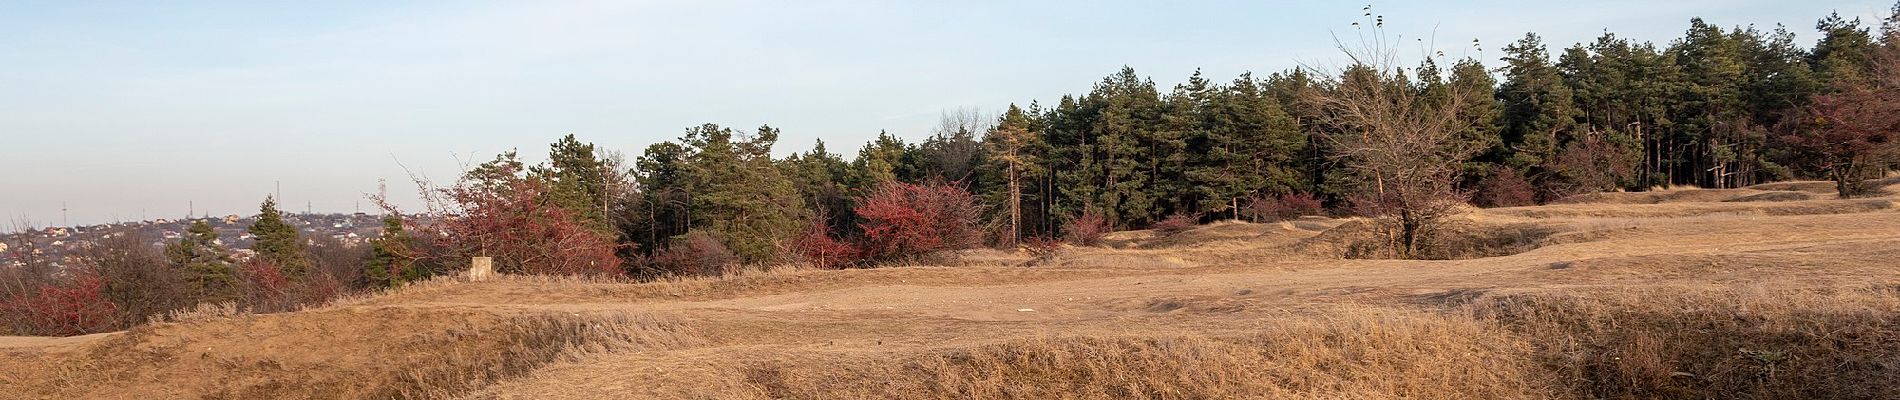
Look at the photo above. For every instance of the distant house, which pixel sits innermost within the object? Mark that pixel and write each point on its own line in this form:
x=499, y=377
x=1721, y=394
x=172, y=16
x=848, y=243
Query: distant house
x=3, y=247
x=232, y=219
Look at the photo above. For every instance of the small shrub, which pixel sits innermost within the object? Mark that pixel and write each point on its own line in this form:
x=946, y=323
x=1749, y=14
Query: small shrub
x=77, y=306
x=1086, y=229
x=1176, y=223
x=816, y=245
x=905, y=220
x=696, y=253
x=1504, y=187
x=266, y=287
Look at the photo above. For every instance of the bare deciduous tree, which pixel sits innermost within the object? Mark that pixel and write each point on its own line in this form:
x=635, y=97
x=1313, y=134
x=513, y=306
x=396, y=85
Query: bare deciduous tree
x=1399, y=141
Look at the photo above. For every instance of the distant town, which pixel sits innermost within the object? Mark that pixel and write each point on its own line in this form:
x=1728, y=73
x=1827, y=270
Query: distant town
x=53, y=244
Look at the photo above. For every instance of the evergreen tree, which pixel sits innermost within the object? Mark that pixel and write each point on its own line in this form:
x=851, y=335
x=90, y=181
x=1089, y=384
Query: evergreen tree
x=392, y=258
x=878, y=162
x=1845, y=52
x=205, y=264
x=278, y=241
x=665, y=197
x=1129, y=149
x=819, y=177
x=1539, y=114
x=1012, y=161
x=580, y=181
x=1479, y=114
x=1712, y=111
x=738, y=195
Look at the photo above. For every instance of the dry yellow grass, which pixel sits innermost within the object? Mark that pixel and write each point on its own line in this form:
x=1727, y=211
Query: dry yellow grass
x=1696, y=297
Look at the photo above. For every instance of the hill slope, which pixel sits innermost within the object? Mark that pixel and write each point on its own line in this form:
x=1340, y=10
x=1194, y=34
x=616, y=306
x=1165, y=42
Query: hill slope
x=1692, y=297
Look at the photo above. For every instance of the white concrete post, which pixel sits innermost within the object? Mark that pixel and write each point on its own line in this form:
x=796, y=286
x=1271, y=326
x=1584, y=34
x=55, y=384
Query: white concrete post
x=481, y=268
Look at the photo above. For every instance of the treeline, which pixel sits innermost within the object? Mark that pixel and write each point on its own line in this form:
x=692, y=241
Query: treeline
x=1715, y=108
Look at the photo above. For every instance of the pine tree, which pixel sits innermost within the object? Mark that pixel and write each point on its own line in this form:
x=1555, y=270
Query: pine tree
x=1539, y=114
x=820, y=177
x=580, y=181
x=665, y=196
x=1129, y=149
x=204, y=263
x=278, y=242
x=738, y=194
x=1712, y=110
x=1844, y=54
x=392, y=258
x=1012, y=161
x=880, y=161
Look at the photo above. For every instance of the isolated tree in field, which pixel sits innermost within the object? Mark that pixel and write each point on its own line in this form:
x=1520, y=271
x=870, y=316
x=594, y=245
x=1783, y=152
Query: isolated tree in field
x=278, y=242
x=204, y=263
x=1402, y=151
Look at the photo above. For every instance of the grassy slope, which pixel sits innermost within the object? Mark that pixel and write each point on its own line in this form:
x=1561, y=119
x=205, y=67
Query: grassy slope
x=1687, y=297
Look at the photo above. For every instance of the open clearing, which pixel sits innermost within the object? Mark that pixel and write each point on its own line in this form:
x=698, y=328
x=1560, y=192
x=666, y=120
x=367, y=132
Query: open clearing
x=1771, y=292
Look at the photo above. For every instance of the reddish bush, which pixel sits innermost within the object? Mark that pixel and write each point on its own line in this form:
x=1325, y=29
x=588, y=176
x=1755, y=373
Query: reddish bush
x=1504, y=187
x=499, y=213
x=903, y=219
x=816, y=245
x=695, y=253
x=1086, y=229
x=1284, y=207
x=74, y=307
x=1177, y=223
x=265, y=285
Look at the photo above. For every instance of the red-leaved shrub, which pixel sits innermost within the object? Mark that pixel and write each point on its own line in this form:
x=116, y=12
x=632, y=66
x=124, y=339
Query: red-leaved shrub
x=696, y=253
x=1284, y=207
x=1504, y=187
x=74, y=307
x=265, y=286
x=905, y=219
x=817, y=246
x=502, y=214
x=1086, y=229
x=1176, y=223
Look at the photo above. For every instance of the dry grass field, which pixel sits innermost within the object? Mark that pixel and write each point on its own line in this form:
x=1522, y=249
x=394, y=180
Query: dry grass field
x=1772, y=292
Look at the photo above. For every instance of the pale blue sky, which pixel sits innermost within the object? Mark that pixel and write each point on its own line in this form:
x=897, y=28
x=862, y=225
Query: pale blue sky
x=129, y=110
